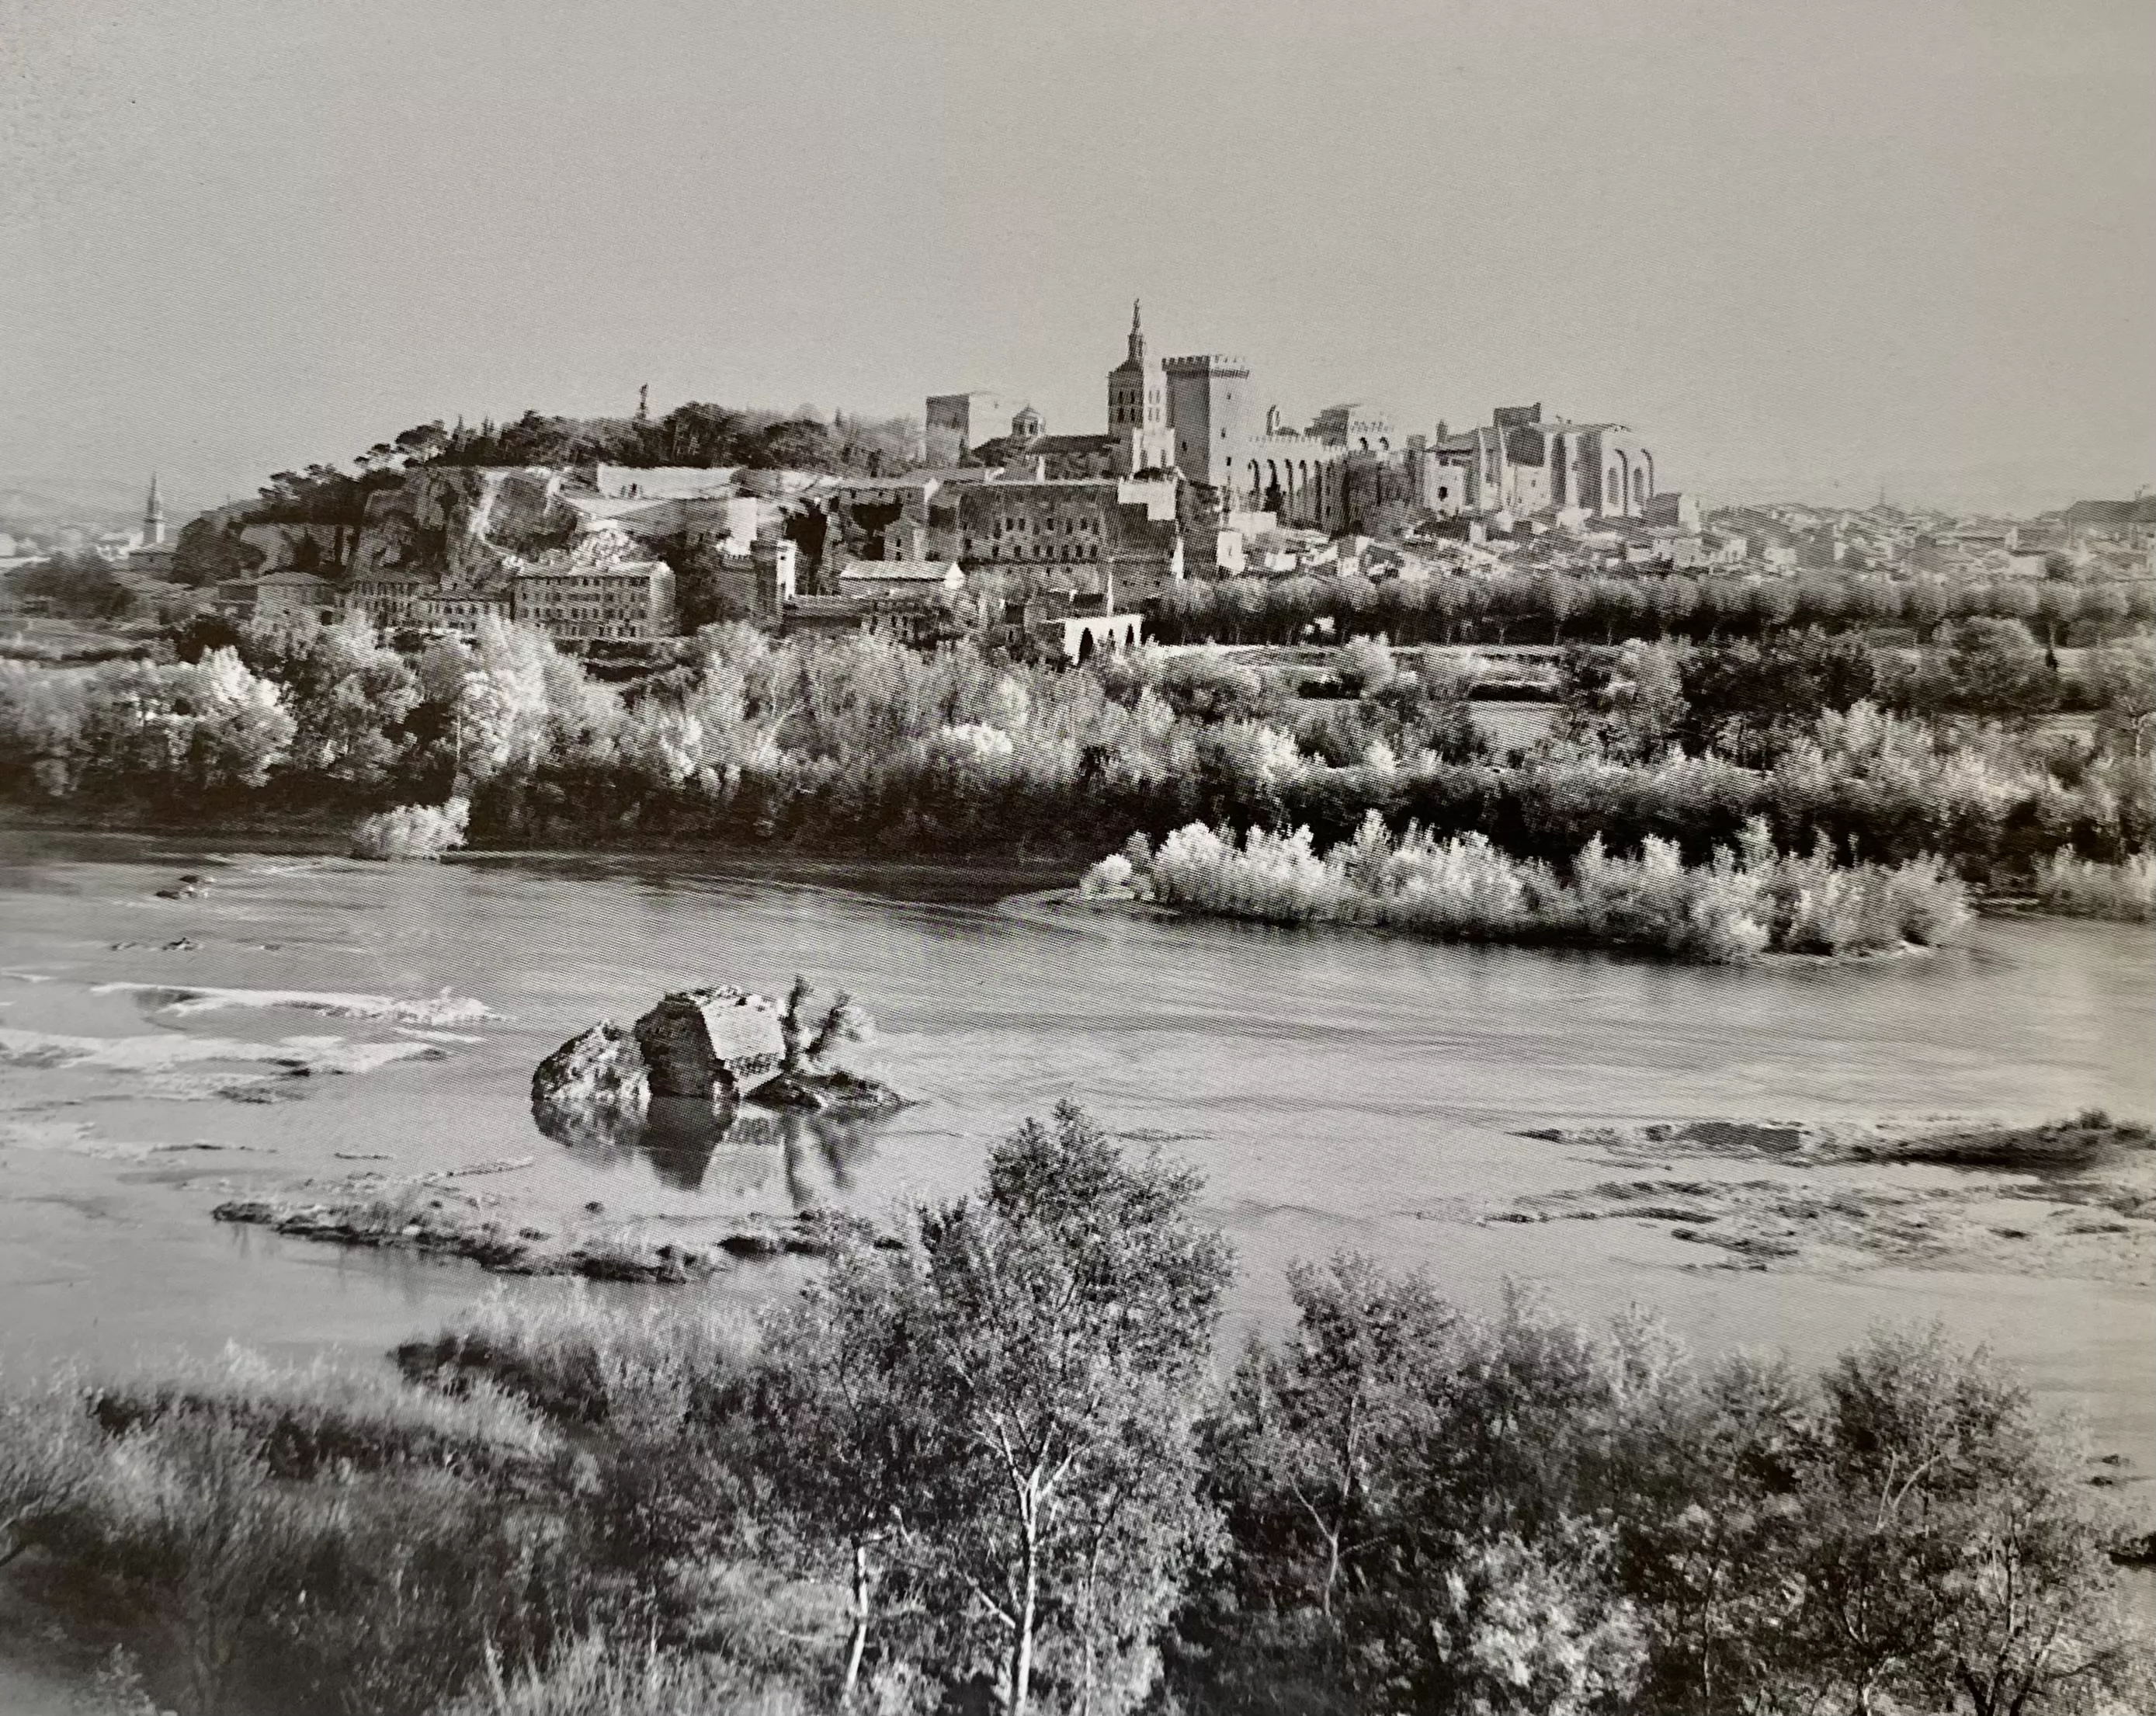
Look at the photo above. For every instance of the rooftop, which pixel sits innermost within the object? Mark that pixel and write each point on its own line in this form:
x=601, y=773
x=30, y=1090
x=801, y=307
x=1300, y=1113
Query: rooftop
x=2141, y=510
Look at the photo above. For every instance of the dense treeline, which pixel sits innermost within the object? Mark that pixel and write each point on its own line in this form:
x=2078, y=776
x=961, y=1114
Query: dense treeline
x=993, y=1466
x=865, y=745
x=1558, y=607
x=81, y=585
x=1751, y=702
x=692, y=433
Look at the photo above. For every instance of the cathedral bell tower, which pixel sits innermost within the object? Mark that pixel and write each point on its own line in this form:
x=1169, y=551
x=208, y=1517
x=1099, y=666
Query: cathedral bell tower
x=1137, y=406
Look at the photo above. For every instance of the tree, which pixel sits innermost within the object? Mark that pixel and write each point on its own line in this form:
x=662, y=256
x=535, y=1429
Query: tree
x=1995, y=667
x=1311, y=1430
x=1946, y=1554
x=1517, y=1631
x=1674, y=601
x=807, y=1038
x=846, y=1448
x=81, y=584
x=1630, y=700
x=1365, y=666
x=1046, y=1342
x=1558, y=594
x=1749, y=701
x=1924, y=604
x=795, y=444
x=424, y=441
x=2124, y=682
x=1707, y=1472
x=349, y=697
x=210, y=553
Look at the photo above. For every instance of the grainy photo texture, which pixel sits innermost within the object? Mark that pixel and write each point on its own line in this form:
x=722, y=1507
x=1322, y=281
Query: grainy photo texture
x=936, y=859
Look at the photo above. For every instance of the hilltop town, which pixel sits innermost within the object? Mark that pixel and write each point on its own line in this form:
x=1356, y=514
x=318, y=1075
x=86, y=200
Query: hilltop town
x=610, y=535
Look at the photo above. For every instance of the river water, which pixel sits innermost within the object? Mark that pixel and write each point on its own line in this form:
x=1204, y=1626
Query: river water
x=1335, y=1091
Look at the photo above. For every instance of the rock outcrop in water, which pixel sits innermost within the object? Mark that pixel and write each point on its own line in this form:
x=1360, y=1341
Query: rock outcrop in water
x=591, y=1086
x=716, y=1046
x=834, y=1092
x=710, y=1042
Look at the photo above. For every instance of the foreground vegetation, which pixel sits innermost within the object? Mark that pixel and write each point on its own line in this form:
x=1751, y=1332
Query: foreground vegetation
x=996, y=1468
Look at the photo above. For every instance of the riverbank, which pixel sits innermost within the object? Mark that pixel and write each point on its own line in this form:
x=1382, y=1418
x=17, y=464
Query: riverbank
x=957, y=877
x=1076, y=901
x=2068, y=1201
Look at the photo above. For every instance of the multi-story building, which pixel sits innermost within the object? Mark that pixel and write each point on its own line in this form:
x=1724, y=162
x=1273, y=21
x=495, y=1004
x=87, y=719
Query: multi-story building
x=459, y=612
x=1137, y=409
x=1088, y=529
x=387, y=598
x=1195, y=419
x=280, y=595
x=586, y=602
x=916, y=620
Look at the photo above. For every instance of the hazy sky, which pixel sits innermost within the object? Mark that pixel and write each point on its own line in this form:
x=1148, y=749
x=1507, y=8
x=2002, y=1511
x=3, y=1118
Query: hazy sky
x=1801, y=241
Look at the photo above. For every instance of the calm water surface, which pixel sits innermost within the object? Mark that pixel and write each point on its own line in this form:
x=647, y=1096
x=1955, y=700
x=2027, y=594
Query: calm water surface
x=1336, y=1091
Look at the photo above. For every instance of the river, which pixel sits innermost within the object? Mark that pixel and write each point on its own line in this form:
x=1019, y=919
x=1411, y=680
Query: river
x=1336, y=1091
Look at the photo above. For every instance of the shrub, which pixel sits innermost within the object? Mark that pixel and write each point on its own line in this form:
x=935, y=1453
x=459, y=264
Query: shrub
x=1743, y=902
x=585, y=1359
x=598, y=1677
x=1430, y=1510
x=46, y=1458
x=413, y=831
x=1109, y=879
x=321, y=1417
x=2081, y=887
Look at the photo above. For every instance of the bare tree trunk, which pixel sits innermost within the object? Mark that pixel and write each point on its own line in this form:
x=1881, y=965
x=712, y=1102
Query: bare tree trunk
x=1021, y=1670
x=858, y=1643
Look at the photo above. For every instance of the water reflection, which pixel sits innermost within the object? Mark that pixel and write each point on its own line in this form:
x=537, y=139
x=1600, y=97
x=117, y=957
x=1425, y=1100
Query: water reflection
x=720, y=1148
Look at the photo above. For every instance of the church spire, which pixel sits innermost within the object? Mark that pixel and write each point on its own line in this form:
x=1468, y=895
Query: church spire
x=153, y=516
x=1137, y=335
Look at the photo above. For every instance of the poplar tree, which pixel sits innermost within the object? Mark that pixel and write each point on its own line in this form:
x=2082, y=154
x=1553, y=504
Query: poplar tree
x=1017, y=1389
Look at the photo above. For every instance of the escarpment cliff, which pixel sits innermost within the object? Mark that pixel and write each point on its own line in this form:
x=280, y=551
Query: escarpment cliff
x=460, y=525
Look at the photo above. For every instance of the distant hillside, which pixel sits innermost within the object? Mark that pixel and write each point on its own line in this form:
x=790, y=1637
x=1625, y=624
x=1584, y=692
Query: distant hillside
x=38, y=505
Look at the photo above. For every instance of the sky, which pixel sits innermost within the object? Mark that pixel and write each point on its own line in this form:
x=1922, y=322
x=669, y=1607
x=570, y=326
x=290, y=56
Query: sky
x=1802, y=248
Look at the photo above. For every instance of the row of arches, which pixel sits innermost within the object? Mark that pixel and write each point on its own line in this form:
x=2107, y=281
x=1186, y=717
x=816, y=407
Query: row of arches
x=1095, y=635
x=1628, y=481
x=1296, y=491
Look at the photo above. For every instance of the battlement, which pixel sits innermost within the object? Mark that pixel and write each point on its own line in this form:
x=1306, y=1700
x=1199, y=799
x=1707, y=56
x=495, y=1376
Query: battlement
x=1209, y=364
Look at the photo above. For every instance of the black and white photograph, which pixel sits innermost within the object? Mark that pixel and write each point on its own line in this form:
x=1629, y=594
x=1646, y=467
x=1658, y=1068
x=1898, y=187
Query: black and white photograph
x=1141, y=858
